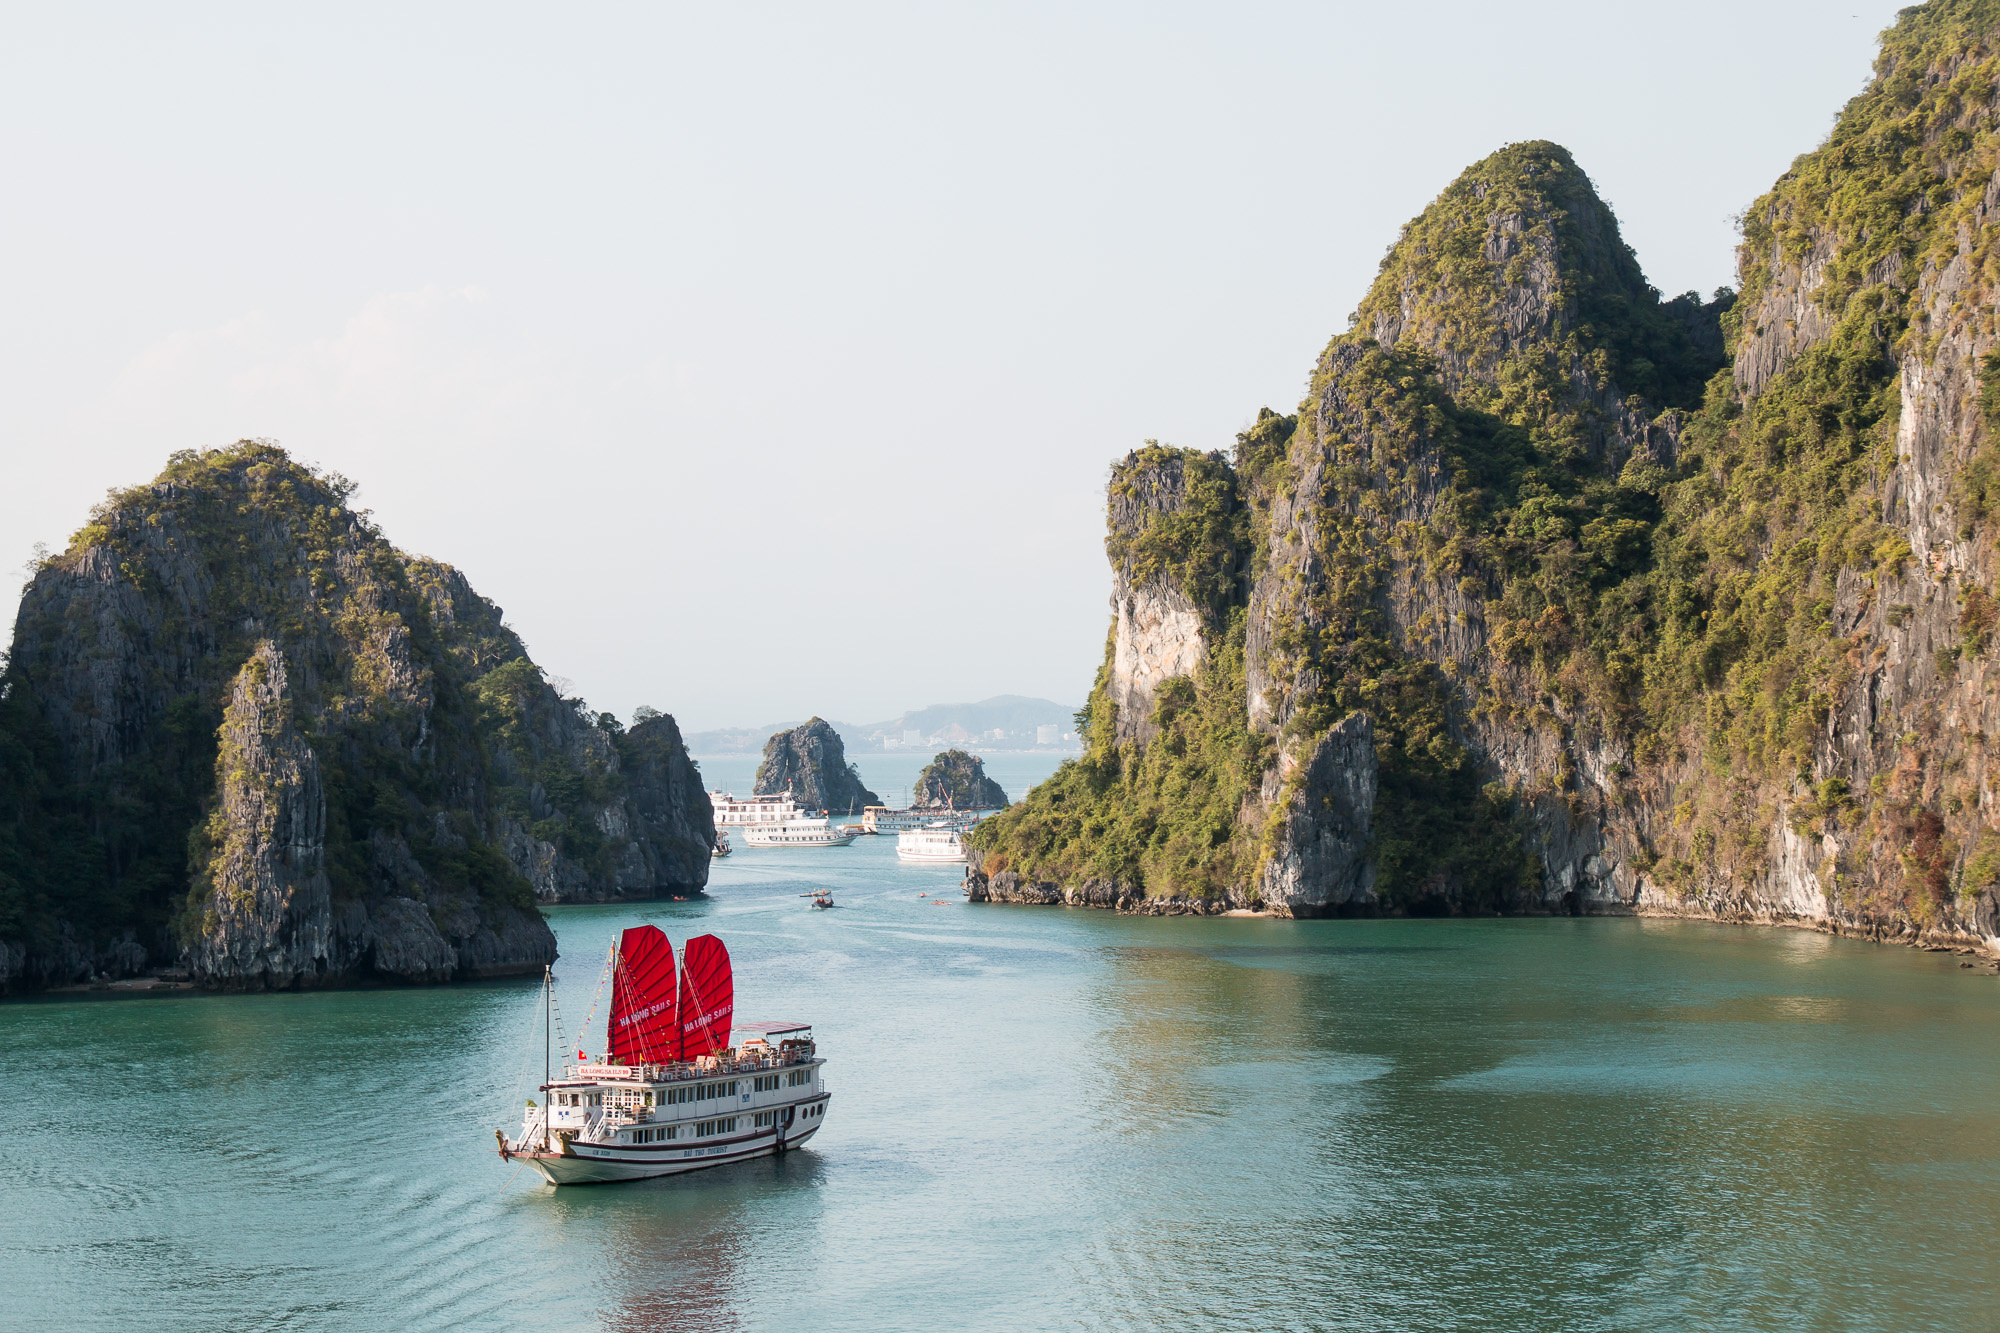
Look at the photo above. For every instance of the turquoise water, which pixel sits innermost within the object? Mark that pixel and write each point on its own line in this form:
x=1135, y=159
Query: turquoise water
x=1046, y=1118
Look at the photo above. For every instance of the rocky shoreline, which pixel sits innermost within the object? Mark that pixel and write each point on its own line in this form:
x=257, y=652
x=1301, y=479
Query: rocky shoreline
x=1103, y=895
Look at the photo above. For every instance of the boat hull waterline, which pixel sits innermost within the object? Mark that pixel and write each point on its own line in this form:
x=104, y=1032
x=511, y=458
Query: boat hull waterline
x=606, y=1164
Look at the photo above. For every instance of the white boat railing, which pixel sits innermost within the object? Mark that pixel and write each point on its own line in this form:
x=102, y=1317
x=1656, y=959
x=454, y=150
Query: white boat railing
x=691, y=1072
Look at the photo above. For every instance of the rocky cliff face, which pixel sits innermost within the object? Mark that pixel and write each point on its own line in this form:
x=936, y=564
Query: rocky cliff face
x=956, y=780
x=811, y=762
x=1157, y=632
x=1648, y=606
x=1319, y=858
x=259, y=740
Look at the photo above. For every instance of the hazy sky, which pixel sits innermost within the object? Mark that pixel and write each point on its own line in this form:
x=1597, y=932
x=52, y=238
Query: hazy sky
x=769, y=359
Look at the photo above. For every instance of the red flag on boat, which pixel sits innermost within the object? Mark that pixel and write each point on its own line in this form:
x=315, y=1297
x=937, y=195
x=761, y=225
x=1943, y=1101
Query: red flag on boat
x=708, y=997
x=641, y=1024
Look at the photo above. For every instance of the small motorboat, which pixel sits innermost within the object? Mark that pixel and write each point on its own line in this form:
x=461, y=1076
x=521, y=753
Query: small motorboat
x=820, y=897
x=722, y=847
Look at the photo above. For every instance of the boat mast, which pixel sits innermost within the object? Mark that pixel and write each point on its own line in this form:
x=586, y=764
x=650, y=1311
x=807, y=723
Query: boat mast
x=548, y=1036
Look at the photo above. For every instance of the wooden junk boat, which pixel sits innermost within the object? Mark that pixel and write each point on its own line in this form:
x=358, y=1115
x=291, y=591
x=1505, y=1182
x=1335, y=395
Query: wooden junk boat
x=671, y=1094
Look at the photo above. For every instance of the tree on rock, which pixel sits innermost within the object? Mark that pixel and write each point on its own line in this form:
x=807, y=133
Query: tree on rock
x=811, y=763
x=957, y=780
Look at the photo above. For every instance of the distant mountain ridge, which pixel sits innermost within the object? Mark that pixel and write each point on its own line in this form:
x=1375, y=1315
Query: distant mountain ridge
x=1019, y=718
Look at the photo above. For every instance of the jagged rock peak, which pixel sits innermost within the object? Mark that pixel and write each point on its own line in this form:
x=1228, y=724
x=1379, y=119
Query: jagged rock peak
x=957, y=780
x=1520, y=259
x=810, y=761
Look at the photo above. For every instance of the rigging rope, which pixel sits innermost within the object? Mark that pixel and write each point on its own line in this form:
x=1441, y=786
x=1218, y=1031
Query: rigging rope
x=528, y=1051
x=562, y=1038
x=602, y=977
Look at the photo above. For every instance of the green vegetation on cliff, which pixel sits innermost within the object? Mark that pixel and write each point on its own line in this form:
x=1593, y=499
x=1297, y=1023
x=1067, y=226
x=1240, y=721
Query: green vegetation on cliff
x=1194, y=543
x=1525, y=520
x=224, y=549
x=393, y=727
x=1455, y=281
x=1432, y=438
x=1163, y=815
x=957, y=780
x=1781, y=490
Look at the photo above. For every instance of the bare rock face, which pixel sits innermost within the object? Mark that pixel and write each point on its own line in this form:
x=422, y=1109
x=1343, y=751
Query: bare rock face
x=407, y=944
x=1319, y=863
x=264, y=893
x=1786, y=322
x=672, y=823
x=810, y=762
x=1157, y=637
x=1158, y=632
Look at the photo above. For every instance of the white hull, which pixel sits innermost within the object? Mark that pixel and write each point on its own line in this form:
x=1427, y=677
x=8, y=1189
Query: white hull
x=836, y=840
x=938, y=844
x=797, y=833
x=602, y=1163
x=880, y=820
x=750, y=811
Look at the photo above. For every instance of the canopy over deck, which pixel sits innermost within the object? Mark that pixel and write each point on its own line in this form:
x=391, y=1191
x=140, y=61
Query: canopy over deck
x=772, y=1029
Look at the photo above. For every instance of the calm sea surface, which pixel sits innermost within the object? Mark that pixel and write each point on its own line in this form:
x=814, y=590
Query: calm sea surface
x=1046, y=1118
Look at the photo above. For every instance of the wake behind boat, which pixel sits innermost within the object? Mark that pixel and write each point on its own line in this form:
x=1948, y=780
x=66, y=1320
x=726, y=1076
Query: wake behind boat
x=670, y=1095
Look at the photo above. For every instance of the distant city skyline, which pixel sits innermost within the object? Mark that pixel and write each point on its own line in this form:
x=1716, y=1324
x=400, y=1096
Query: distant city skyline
x=772, y=360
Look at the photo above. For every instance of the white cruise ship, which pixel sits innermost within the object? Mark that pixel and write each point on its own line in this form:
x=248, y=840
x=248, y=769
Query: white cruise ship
x=749, y=811
x=940, y=843
x=671, y=1094
x=797, y=833
x=881, y=819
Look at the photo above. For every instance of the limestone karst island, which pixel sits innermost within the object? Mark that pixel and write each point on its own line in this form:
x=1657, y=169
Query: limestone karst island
x=1155, y=673
x=1557, y=596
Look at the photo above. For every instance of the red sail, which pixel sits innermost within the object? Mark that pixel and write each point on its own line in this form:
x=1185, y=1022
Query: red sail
x=708, y=997
x=641, y=1026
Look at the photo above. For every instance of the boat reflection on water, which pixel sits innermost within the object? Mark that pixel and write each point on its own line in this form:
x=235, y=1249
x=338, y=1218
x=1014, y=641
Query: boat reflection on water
x=684, y=1252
